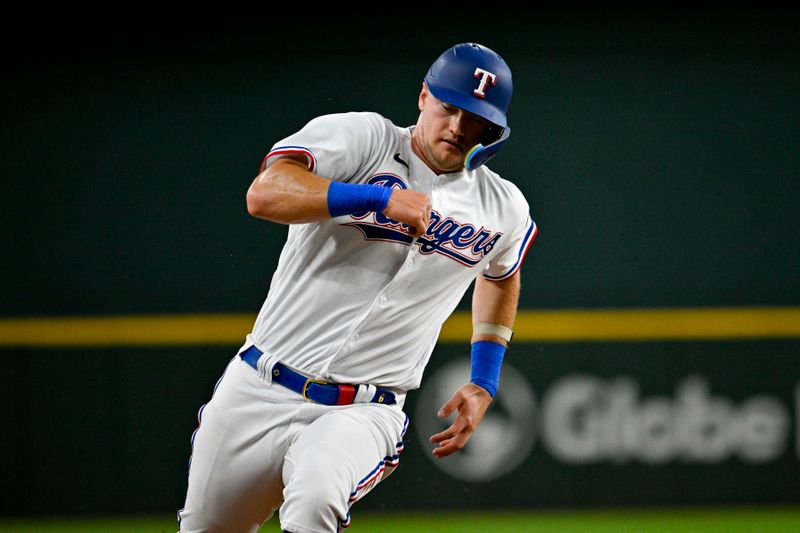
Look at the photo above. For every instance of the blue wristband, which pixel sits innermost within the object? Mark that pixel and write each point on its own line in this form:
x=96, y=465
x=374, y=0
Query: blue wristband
x=348, y=198
x=487, y=358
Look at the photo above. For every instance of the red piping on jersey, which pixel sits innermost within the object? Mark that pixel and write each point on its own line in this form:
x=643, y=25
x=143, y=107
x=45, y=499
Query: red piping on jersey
x=290, y=150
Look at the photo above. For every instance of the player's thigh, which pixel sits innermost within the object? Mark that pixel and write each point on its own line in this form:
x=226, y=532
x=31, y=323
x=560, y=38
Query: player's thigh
x=345, y=452
x=235, y=476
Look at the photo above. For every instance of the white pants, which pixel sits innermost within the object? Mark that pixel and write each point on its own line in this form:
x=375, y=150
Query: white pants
x=261, y=446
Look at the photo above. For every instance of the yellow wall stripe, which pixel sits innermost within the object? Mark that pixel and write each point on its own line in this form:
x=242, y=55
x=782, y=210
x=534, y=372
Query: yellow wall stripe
x=149, y=330
x=579, y=325
x=644, y=324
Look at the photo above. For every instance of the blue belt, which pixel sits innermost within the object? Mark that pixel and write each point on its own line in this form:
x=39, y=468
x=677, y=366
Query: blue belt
x=314, y=390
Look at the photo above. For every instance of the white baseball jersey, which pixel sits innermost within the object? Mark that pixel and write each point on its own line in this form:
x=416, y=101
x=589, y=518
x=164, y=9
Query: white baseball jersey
x=355, y=299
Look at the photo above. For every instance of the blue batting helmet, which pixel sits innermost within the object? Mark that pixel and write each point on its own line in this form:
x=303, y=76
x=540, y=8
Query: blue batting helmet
x=474, y=78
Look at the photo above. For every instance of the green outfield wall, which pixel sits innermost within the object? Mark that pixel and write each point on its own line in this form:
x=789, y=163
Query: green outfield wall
x=99, y=430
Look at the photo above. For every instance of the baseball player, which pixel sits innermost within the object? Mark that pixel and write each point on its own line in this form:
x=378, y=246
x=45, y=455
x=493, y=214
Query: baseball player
x=389, y=226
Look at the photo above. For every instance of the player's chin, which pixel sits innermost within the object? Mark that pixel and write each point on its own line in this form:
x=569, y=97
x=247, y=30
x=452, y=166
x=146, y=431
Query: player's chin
x=450, y=161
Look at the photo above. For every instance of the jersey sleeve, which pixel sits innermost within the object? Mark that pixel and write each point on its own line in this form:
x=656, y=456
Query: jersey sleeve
x=509, y=259
x=335, y=146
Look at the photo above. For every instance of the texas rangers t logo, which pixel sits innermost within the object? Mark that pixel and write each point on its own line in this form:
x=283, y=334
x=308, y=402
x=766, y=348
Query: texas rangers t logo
x=485, y=76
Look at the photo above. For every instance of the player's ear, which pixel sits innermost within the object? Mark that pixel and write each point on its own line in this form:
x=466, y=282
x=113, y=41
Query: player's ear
x=423, y=95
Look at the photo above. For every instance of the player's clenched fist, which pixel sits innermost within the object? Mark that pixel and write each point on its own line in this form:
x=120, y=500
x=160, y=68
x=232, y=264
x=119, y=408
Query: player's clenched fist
x=410, y=207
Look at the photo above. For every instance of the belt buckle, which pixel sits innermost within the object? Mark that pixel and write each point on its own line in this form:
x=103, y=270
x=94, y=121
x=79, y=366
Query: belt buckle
x=309, y=382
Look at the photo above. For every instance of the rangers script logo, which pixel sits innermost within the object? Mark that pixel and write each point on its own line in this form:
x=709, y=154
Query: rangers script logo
x=460, y=241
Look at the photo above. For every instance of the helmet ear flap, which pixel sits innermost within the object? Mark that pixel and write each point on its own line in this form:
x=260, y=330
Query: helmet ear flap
x=492, y=134
x=480, y=154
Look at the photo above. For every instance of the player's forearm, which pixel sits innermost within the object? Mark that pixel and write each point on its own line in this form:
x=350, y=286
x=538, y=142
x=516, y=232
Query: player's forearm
x=288, y=193
x=495, y=302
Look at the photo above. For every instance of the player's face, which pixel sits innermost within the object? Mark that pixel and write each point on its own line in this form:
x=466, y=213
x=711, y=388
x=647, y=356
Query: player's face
x=445, y=133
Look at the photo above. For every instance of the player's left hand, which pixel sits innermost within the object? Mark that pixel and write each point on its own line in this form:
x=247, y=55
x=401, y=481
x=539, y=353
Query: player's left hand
x=471, y=401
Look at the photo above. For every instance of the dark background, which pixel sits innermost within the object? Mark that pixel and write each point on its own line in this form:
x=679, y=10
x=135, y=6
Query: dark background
x=658, y=152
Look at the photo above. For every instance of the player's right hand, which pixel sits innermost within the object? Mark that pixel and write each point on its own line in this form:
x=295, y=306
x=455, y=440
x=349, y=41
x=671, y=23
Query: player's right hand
x=411, y=208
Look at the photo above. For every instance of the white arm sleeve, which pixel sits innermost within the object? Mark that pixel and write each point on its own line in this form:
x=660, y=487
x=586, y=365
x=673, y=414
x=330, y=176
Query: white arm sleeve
x=335, y=146
x=509, y=260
